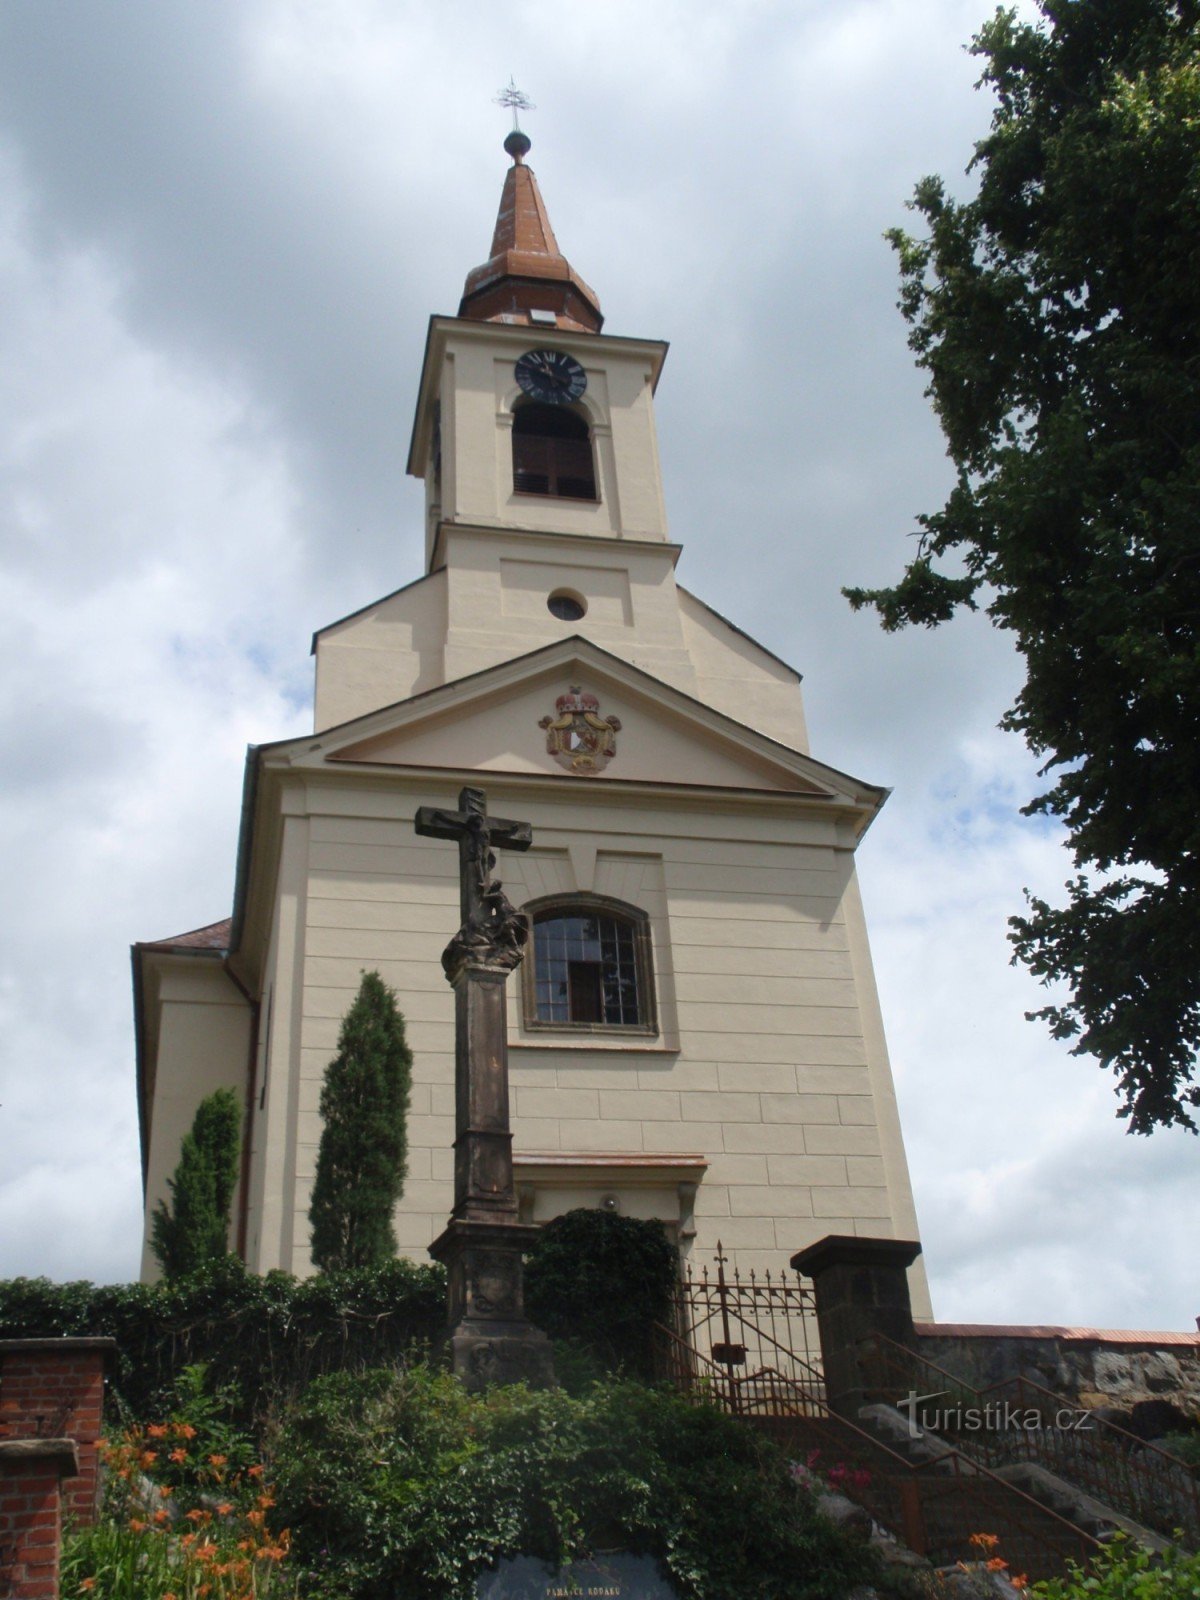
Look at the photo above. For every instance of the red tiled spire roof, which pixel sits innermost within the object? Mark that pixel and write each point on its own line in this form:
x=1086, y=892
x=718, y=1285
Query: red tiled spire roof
x=526, y=270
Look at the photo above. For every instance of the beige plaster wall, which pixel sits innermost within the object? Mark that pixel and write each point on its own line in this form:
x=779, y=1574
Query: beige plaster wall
x=201, y=1023
x=489, y=604
x=767, y=1065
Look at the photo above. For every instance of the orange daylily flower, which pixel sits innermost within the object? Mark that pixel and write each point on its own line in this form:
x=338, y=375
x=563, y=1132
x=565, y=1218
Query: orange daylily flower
x=254, y=1472
x=88, y=1583
x=157, y=1430
x=136, y=1525
x=217, y=1461
x=162, y=1516
x=178, y=1455
x=224, y=1508
x=985, y=1541
x=1019, y=1581
x=149, y=1457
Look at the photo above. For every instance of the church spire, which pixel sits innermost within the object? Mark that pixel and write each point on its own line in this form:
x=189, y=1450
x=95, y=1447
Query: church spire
x=526, y=273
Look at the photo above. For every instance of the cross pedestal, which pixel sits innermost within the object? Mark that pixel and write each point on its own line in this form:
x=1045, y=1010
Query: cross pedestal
x=491, y=1339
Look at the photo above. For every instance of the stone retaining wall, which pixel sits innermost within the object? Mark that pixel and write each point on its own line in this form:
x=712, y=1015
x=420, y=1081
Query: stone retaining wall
x=1087, y=1366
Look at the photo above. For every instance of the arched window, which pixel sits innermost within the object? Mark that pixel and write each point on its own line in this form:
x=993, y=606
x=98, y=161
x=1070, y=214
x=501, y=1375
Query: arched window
x=588, y=966
x=552, y=452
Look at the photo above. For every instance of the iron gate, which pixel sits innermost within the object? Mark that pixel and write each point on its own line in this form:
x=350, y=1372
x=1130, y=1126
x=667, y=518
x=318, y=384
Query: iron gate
x=749, y=1342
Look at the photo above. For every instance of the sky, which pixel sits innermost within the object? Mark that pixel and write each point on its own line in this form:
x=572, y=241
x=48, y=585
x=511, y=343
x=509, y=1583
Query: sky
x=223, y=228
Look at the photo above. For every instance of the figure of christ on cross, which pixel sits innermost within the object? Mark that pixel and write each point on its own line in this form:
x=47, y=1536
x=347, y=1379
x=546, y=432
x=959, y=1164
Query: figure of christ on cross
x=493, y=930
x=491, y=1339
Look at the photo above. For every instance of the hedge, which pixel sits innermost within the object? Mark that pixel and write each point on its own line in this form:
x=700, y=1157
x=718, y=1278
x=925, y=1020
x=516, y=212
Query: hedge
x=266, y=1337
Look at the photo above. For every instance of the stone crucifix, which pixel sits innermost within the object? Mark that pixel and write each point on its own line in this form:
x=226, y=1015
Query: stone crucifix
x=491, y=1339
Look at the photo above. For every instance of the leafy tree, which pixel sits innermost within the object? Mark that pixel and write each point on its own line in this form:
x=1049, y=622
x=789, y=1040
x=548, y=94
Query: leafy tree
x=194, y=1231
x=1058, y=317
x=363, y=1156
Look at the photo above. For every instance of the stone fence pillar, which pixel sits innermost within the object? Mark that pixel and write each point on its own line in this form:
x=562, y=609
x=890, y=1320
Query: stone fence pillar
x=861, y=1289
x=54, y=1389
x=31, y=1476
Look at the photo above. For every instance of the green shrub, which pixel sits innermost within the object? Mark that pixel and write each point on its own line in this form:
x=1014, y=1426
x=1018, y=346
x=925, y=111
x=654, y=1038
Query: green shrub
x=399, y=1484
x=362, y=1159
x=602, y=1280
x=1125, y=1570
x=265, y=1338
x=194, y=1230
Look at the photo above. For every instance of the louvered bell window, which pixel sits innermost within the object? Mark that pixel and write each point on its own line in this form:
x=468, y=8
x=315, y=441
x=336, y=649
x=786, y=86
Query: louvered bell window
x=552, y=453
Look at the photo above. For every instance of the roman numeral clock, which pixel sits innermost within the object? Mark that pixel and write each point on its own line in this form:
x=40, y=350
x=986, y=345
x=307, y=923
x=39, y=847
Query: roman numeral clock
x=550, y=376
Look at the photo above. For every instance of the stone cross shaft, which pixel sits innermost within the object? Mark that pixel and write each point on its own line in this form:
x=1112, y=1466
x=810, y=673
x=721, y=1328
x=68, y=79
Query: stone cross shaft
x=491, y=1339
x=477, y=962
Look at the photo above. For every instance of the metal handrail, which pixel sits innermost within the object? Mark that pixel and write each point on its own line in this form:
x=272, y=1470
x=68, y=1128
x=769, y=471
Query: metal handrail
x=926, y=1504
x=1106, y=1460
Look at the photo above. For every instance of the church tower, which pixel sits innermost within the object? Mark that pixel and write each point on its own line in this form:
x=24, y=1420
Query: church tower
x=694, y=1033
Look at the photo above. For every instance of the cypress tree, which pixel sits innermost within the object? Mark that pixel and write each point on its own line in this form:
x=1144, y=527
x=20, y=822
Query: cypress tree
x=194, y=1230
x=362, y=1160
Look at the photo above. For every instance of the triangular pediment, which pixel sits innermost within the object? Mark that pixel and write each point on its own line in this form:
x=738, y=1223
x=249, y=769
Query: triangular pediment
x=494, y=721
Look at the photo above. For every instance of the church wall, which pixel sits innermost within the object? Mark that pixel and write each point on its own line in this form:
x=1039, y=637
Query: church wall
x=766, y=1062
x=203, y=1024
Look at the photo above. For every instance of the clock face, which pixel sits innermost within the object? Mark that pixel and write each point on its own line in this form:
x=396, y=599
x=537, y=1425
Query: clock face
x=550, y=376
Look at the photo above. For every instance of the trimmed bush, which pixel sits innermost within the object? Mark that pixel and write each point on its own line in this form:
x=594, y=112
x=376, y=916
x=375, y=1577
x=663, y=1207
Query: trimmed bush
x=362, y=1160
x=404, y=1484
x=194, y=1230
x=602, y=1280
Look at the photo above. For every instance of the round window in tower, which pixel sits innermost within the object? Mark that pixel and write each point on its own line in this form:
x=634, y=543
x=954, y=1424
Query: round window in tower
x=566, y=605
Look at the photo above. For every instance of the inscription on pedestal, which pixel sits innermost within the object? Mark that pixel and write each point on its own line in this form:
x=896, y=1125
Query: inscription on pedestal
x=617, y=1576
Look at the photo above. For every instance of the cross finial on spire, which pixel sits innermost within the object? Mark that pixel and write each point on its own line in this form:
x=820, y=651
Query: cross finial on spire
x=516, y=101
x=517, y=144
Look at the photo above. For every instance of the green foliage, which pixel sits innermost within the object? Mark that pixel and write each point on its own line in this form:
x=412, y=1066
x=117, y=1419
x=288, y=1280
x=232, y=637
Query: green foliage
x=603, y=1280
x=1057, y=315
x=399, y=1484
x=362, y=1159
x=1122, y=1569
x=195, y=1230
x=262, y=1338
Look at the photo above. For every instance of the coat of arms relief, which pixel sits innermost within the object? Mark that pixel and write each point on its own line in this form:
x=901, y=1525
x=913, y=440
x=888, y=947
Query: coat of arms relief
x=578, y=737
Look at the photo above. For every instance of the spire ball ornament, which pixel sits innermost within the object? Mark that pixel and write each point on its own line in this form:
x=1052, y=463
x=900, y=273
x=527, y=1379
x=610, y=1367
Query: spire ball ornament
x=517, y=144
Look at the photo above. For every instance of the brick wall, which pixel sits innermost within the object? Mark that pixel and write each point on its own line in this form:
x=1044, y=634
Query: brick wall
x=31, y=1475
x=54, y=1388
x=51, y=1398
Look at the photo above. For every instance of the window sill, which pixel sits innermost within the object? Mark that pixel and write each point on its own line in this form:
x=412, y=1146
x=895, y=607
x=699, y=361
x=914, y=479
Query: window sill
x=608, y=1043
x=527, y=495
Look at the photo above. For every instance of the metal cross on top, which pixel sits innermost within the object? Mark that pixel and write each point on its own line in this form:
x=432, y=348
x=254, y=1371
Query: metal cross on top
x=515, y=101
x=493, y=930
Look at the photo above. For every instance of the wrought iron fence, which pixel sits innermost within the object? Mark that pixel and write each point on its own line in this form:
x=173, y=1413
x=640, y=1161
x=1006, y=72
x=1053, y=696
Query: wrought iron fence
x=748, y=1345
x=754, y=1337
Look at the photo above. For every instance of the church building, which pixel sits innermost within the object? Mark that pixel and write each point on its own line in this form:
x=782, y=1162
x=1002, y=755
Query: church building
x=694, y=1032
